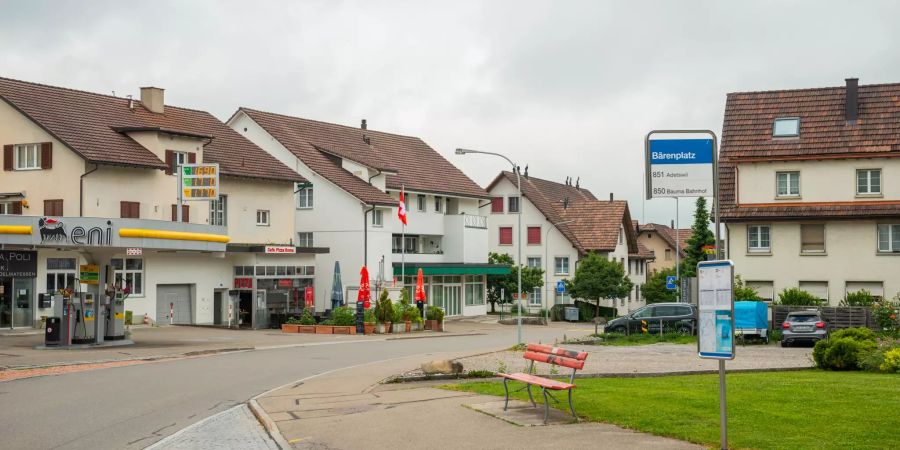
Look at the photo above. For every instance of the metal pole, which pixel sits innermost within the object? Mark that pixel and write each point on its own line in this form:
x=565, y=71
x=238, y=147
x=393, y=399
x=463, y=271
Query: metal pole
x=723, y=421
x=677, y=251
x=719, y=254
x=403, y=244
x=519, y=257
x=179, y=179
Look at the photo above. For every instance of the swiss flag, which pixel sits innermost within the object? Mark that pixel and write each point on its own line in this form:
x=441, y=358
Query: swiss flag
x=401, y=211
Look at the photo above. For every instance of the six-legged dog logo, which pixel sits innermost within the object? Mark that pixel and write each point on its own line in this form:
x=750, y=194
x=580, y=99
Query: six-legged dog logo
x=52, y=230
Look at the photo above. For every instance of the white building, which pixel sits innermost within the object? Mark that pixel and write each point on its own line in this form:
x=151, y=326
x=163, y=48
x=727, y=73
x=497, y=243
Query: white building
x=350, y=206
x=561, y=224
x=91, y=179
x=809, y=189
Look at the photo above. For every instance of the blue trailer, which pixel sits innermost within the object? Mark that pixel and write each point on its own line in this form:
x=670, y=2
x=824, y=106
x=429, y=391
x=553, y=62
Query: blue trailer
x=751, y=318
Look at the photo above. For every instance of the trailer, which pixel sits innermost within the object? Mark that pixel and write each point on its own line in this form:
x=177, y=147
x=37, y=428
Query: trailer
x=751, y=319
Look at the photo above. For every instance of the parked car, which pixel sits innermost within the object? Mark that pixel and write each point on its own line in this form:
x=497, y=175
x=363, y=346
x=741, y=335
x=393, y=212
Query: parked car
x=803, y=326
x=680, y=317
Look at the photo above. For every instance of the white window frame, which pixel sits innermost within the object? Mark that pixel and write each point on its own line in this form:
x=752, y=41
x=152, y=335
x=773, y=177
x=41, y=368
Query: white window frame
x=478, y=284
x=788, y=184
x=5, y=208
x=868, y=178
x=421, y=203
x=758, y=248
x=509, y=208
x=122, y=274
x=262, y=217
x=305, y=197
x=32, y=161
x=304, y=239
x=534, y=297
x=557, y=266
x=529, y=259
x=785, y=119
x=377, y=218
x=65, y=274
x=890, y=231
x=218, y=211
x=438, y=204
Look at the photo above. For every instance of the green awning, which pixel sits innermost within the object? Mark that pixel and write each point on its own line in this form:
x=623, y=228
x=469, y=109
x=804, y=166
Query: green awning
x=452, y=269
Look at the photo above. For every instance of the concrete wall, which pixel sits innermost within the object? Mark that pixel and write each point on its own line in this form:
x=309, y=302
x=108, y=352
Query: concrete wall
x=245, y=197
x=820, y=181
x=851, y=256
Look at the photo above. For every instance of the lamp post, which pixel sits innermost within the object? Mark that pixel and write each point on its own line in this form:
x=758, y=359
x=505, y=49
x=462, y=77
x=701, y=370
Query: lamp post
x=547, y=261
x=463, y=151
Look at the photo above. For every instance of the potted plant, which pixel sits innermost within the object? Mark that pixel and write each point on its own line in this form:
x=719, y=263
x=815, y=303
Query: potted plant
x=408, y=311
x=434, y=319
x=307, y=322
x=326, y=327
x=292, y=325
x=344, y=320
x=384, y=312
x=369, y=321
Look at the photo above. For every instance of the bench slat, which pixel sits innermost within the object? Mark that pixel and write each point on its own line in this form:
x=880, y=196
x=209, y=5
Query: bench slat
x=538, y=348
x=539, y=381
x=571, y=363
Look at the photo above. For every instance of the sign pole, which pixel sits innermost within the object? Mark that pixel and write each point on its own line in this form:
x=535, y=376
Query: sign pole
x=677, y=250
x=723, y=415
x=180, y=181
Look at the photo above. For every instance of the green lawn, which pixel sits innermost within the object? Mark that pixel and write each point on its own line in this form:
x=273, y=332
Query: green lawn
x=791, y=410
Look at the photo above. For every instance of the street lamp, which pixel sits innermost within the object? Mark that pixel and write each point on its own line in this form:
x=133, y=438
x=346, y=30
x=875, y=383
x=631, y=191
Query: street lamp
x=463, y=151
x=547, y=261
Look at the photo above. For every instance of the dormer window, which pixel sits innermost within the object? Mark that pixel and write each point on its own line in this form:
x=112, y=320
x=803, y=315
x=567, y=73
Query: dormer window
x=786, y=127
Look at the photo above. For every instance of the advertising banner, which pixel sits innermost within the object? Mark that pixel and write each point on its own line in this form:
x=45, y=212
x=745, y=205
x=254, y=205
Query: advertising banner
x=715, y=330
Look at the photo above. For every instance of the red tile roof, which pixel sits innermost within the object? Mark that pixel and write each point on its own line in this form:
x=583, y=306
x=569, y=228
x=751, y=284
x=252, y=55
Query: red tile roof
x=668, y=234
x=824, y=134
x=92, y=126
x=595, y=224
x=410, y=162
x=642, y=253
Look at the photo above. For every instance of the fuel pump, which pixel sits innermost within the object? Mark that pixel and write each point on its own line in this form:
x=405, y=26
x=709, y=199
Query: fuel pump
x=84, y=311
x=115, y=310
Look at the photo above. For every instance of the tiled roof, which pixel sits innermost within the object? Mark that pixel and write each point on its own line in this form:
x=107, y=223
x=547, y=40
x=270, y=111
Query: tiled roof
x=595, y=224
x=824, y=133
x=668, y=234
x=642, y=253
x=88, y=122
x=410, y=162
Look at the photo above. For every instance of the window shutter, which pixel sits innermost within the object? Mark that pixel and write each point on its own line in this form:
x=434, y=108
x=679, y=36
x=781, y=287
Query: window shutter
x=46, y=155
x=534, y=235
x=497, y=205
x=192, y=158
x=170, y=162
x=17, y=208
x=7, y=157
x=123, y=210
x=135, y=210
x=506, y=235
x=174, y=213
x=186, y=212
x=53, y=208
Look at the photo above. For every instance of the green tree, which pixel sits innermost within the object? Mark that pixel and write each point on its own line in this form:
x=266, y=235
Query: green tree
x=655, y=291
x=742, y=292
x=599, y=278
x=701, y=235
x=532, y=278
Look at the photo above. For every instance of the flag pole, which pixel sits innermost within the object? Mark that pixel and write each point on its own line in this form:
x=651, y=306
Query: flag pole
x=403, y=242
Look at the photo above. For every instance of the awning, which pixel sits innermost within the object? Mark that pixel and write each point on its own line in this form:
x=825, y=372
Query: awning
x=412, y=269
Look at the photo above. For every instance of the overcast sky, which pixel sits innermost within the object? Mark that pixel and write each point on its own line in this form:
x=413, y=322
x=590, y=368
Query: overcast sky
x=568, y=88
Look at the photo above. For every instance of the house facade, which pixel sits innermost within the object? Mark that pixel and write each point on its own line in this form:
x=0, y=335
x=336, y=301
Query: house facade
x=92, y=179
x=561, y=223
x=350, y=202
x=809, y=189
x=660, y=240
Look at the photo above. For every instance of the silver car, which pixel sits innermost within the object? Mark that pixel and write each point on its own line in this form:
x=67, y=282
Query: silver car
x=803, y=326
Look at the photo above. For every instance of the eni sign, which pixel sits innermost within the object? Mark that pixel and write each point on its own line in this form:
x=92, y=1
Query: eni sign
x=84, y=232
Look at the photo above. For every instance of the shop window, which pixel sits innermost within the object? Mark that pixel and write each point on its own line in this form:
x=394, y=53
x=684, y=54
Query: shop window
x=129, y=273
x=474, y=290
x=60, y=274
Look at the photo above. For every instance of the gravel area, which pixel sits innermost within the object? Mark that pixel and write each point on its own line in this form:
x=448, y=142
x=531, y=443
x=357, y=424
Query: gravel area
x=656, y=358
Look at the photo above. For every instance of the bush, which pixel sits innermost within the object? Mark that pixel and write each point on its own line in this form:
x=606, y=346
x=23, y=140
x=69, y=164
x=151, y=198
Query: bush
x=344, y=316
x=842, y=353
x=369, y=316
x=797, y=297
x=891, y=362
x=885, y=313
x=384, y=308
x=858, y=298
x=744, y=293
x=435, y=313
x=871, y=362
x=857, y=333
x=306, y=318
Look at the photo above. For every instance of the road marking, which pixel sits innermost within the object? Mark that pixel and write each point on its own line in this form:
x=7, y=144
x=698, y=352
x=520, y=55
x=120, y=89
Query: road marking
x=295, y=440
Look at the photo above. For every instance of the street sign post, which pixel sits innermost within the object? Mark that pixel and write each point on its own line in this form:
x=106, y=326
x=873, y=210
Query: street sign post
x=671, y=282
x=715, y=335
x=680, y=167
x=560, y=287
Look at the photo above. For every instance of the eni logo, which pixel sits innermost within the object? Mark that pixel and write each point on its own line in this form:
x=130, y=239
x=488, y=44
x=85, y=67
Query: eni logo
x=53, y=230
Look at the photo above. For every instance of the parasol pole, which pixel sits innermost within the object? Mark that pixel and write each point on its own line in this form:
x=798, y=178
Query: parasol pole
x=403, y=242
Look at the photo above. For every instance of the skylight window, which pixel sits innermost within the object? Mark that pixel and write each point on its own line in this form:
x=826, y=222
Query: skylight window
x=789, y=127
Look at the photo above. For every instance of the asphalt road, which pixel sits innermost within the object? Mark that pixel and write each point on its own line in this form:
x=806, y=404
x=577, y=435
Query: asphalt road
x=135, y=406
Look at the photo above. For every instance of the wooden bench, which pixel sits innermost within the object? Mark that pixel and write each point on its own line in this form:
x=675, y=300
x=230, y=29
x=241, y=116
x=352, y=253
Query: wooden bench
x=554, y=356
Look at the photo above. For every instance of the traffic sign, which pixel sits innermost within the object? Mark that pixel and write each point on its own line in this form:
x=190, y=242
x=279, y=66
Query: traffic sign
x=560, y=287
x=671, y=282
x=200, y=181
x=680, y=167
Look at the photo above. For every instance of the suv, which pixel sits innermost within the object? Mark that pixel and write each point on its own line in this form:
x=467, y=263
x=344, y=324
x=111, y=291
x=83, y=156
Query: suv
x=680, y=317
x=803, y=326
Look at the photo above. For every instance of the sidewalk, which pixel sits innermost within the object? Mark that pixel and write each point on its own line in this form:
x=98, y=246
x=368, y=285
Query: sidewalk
x=349, y=409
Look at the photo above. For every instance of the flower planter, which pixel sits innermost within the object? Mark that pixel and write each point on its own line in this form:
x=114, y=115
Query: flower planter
x=408, y=326
x=416, y=326
x=398, y=327
x=384, y=328
x=306, y=328
x=324, y=329
x=289, y=328
x=344, y=329
x=369, y=328
x=434, y=325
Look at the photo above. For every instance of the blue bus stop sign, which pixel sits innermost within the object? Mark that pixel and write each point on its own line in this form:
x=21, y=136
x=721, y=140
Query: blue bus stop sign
x=671, y=282
x=560, y=287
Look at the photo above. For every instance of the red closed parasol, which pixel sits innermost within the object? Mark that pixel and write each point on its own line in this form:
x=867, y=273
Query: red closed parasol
x=365, y=291
x=420, y=287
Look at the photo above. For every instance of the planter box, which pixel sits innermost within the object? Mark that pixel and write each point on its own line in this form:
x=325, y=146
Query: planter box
x=408, y=326
x=344, y=329
x=416, y=326
x=434, y=325
x=398, y=327
x=324, y=329
x=289, y=328
x=369, y=328
x=306, y=328
x=383, y=328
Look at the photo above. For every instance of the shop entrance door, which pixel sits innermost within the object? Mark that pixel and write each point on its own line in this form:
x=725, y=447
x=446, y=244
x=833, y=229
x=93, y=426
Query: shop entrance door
x=6, y=303
x=23, y=297
x=453, y=300
x=260, y=313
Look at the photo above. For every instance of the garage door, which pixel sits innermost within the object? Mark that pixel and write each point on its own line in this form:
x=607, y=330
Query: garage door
x=179, y=297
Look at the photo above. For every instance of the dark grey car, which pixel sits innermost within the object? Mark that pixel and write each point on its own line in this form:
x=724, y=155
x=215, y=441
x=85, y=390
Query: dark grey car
x=803, y=326
x=676, y=317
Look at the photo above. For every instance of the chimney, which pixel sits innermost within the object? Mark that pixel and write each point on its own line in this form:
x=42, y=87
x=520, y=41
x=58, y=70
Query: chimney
x=851, y=105
x=610, y=196
x=672, y=224
x=152, y=99
x=363, y=124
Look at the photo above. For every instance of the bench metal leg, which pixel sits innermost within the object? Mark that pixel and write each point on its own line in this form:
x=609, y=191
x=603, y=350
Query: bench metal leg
x=546, y=406
x=533, y=404
x=506, y=388
x=571, y=406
